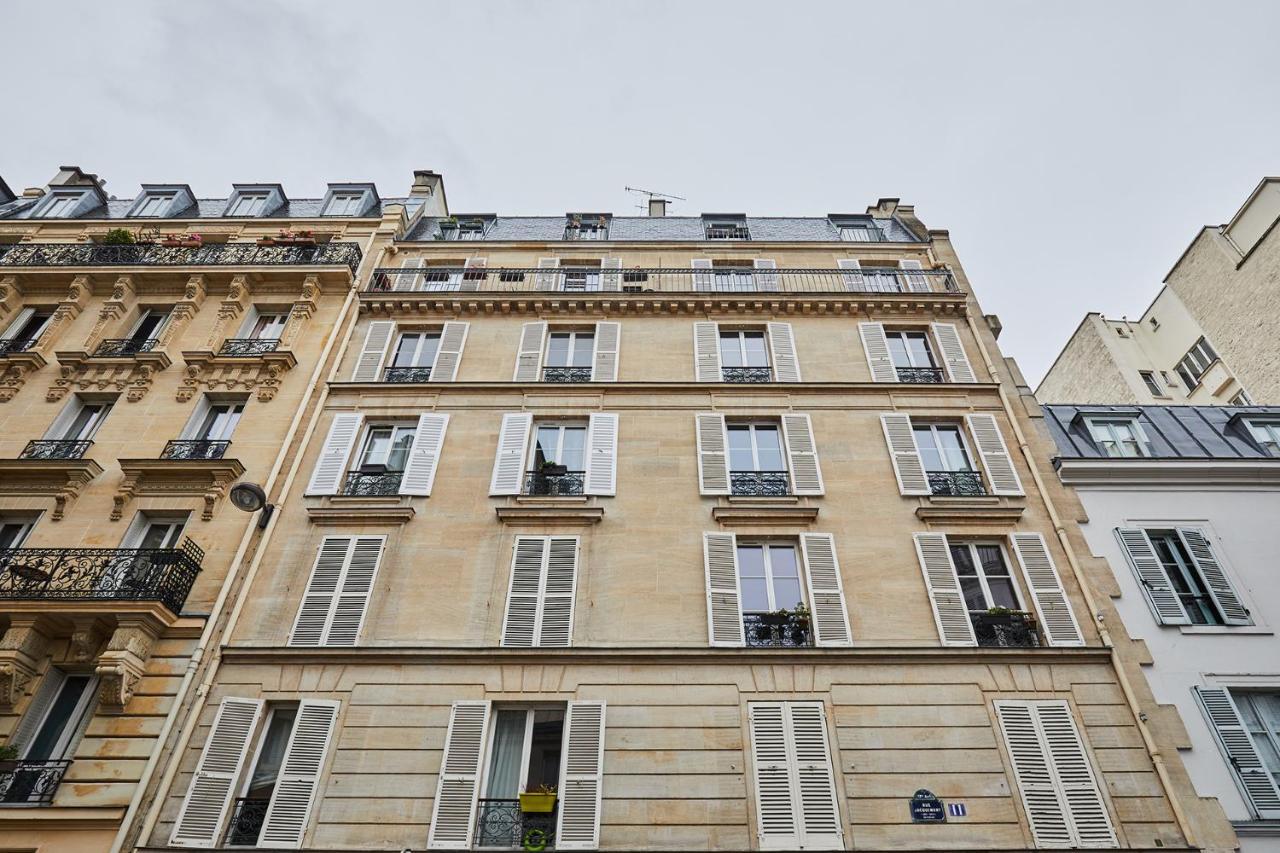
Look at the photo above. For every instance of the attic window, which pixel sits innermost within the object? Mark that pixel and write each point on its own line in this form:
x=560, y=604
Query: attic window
x=155, y=204
x=248, y=204
x=856, y=230
x=586, y=227
x=462, y=229
x=727, y=229
x=62, y=204
x=345, y=204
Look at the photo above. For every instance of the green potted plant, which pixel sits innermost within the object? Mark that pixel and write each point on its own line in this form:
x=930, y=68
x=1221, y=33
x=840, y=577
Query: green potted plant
x=548, y=468
x=8, y=758
x=541, y=800
x=118, y=237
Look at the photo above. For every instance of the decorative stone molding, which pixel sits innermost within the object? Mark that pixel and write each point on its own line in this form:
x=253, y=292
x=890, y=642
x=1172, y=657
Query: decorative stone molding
x=123, y=294
x=207, y=479
x=261, y=374
x=131, y=375
x=955, y=512
x=22, y=647
x=533, y=511
x=764, y=512
x=61, y=479
x=10, y=295
x=69, y=308
x=14, y=369
x=230, y=308
x=184, y=310
x=124, y=662
x=85, y=641
x=343, y=510
x=303, y=308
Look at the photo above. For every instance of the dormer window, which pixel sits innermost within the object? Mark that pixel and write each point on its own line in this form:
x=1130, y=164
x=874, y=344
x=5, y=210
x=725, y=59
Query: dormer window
x=155, y=204
x=586, y=227
x=248, y=204
x=345, y=204
x=61, y=205
x=471, y=228
x=858, y=229
x=255, y=200
x=726, y=228
x=1119, y=437
x=350, y=200
x=1267, y=434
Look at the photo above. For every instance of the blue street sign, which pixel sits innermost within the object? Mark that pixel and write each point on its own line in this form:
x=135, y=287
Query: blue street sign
x=926, y=808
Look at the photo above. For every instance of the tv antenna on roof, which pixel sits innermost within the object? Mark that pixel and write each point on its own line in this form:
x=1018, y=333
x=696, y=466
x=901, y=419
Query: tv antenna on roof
x=665, y=197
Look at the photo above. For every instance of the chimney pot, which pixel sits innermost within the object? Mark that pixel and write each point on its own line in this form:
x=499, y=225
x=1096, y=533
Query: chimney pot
x=657, y=207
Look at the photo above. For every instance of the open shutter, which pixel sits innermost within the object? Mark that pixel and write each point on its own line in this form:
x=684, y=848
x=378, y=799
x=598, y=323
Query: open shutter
x=520, y=626
x=826, y=591
x=1001, y=473
x=724, y=602
x=453, y=337
x=916, y=282
x=713, y=454
x=1241, y=753
x=409, y=279
x=604, y=360
x=706, y=352
x=602, y=454
x=508, y=462
x=952, y=351
x=876, y=346
x=702, y=276
x=777, y=823
x=782, y=345
x=424, y=454
x=474, y=273
x=802, y=455
x=851, y=274
x=545, y=279
x=337, y=594
x=1052, y=605
x=374, y=352
x=1215, y=579
x=611, y=274
x=295, y=791
x=529, y=359
x=203, y=808
x=559, y=588
x=327, y=475
x=815, y=778
x=453, y=816
x=907, y=465
x=943, y=585
x=50, y=684
x=1155, y=583
x=1086, y=810
x=581, y=777
x=1041, y=799
x=766, y=275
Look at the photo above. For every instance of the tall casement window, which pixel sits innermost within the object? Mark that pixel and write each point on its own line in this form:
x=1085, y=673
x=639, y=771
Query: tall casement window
x=794, y=778
x=337, y=596
x=577, y=276
x=493, y=753
x=904, y=354
x=728, y=353
x=1119, y=437
x=208, y=432
x=258, y=776
x=1181, y=576
x=436, y=274
x=1246, y=722
x=947, y=461
x=762, y=457
x=559, y=457
x=906, y=276
x=379, y=458
x=25, y=330
x=14, y=530
x=1196, y=363
x=1266, y=434
x=410, y=354
x=258, y=334
x=556, y=457
x=73, y=430
x=47, y=735
x=568, y=354
x=936, y=457
x=737, y=276
x=143, y=335
x=544, y=579
x=1054, y=775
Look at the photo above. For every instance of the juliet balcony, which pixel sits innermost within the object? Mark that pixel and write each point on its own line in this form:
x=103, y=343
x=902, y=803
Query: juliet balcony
x=156, y=255
x=1009, y=629
x=31, y=783
x=956, y=484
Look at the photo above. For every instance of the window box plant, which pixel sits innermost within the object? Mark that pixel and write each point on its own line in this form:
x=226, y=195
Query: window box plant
x=183, y=241
x=119, y=237
x=289, y=238
x=540, y=801
x=551, y=469
x=8, y=758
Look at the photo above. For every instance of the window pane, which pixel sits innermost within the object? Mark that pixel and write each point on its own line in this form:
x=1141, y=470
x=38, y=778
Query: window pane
x=963, y=559
x=974, y=598
x=548, y=445
x=783, y=560
x=786, y=593
x=558, y=350
x=755, y=595
x=507, y=753
x=399, y=454
x=954, y=457
x=898, y=350
x=731, y=349
x=740, y=458
x=769, y=448
x=60, y=716
x=544, y=749
x=919, y=345
x=271, y=756
x=406, y=350
x=583, y=347
x=1002, y=594
x=992, y=560
x=929, y=454
x=757, y=354
x=751, y=561
x=571, y=453
x=377, y=446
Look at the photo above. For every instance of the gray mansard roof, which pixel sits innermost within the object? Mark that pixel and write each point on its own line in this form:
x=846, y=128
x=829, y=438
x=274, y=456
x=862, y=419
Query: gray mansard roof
x=205, y=208
x=1174, y=432
x=663, y=228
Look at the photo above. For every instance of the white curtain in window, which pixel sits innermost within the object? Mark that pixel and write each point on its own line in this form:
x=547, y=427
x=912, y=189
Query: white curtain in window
x=508, y=751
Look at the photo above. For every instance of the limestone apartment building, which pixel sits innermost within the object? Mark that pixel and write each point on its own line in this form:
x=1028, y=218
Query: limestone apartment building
x=724, y=530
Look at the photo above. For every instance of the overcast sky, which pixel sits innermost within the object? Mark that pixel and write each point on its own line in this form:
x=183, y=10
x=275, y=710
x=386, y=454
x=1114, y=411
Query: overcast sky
x=1073, y=149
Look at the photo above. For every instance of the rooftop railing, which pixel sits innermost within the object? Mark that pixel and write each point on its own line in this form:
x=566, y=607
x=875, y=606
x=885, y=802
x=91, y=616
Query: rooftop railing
x=156, y=255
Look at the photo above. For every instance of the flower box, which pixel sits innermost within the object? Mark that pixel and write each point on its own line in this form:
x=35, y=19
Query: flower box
x=536, y=803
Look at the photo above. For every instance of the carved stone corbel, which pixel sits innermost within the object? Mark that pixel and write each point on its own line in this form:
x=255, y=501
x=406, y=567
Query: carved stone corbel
x=124, y=662
x=86, y=640
x=303, y=308
x=22, y=647
x=184, y=310
x=10, y=295
x=231, y=307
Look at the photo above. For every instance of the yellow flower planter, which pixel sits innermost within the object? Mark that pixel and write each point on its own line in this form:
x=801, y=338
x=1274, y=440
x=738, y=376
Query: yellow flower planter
x=537, y=803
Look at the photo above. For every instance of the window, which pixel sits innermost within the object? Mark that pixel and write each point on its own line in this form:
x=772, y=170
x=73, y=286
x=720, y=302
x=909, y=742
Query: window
x=1187, y=582
x=345, y=204
x=25, y=330
x=62, y=204
x=268, y=326
x=947, y=461
x=744, y=356
x=149, y=326
x=912, y=356
x=1267, y=434
x=14, y=530
x=1119, y=437
x=248, y=204
x=386, y=448
x=155, y=204
x=559, y=460
x=859, y=231
x=217, y=422
x=1260, y=713
x=264, y=772
x=465, y=229
x=1153, y=385
x=413, y=357
x=769, y=576
x=80, y=420
x=757, y=464
x=154, y=531
x=880, y=279
x=1242, y=398
x=1181, y=576
x=583, y=279
x=985, y=579
x=1196, y=362
x=727, y=229
x=586, y=228
x=1155, y=324
x=1247, y=725
x=794, y=781
x=47, y=735
x=569, y=357
x=524, y=756
x=734, y=276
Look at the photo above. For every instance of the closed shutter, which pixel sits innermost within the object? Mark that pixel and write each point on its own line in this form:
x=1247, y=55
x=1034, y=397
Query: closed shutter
x=907, y=465
x=332, y=464
x=851, y=274
x=581, y=777
x=706, y=352
x=713, y=454
x=876, y=346
x=508, y=462
x=453, y=816
x=1052, y=605
x=424, y=454
x=943, y=585
x=50, y=684
x=796, y=806
x=611, y=274
x=1215, y=579
x=782, y=344
x=819, y=810
x=724, y=602
x=766, y=277
x=1001, y=473
x=702, y=276
x=337, y=594
x=916, y=282
x=826, y=590
x=602, y=454
x=453, y=337
x=1151, y=575
x=408, y=280
x=474, y=273
x=374, y=352
x=295, y=791
x=952, y=351
x=200, y=819
x=540, y=600
x=529, y=357
x=544, y=279
x=802, y=455
x=1241, y=753
x=604, y=360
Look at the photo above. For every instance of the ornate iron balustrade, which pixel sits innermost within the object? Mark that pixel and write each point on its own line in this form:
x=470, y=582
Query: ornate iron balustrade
x=566, y=374
x=923, y=375
x=153, y=255
x=760, y=484
x=31, y=782
x=372, y=484
x=55, y=449
x=12, y=345
x=586, y=232
x=735, y=232
x=958, y=484
x=500, y=823
x=862, y=234
x=544, y=484
x=777, y=630
x=247, y=816
x=247, y=347
x=1005, y=630
x=101, y=574
x=747, y=374
x=406, y=374
x=122, y=347
x=195, y=448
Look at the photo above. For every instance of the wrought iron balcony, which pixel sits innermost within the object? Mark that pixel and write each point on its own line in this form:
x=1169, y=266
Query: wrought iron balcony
x=372, y=484
x=55, y=449
x=124, y=347
x=862, y=234
x=248, y=347
x=101, y=574
x=247, y=815
x=501, y=823
x=746, y=374
x=154, y=255
x=566, y=374
x=1005, y=630
x=760, y=484
x=923, y=375
x=733, y=232
x=31, y=782
x=555, y=483
x=956, y=484
x=195, y=448
x=16, y=345
x=777, y=630
x=406, y=374
x=586, y=232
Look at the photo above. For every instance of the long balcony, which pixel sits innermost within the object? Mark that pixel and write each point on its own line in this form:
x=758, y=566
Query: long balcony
x=760, y=484
x=781, y=630
x=1011, y=630
x=55, y=449
x=154, y=255
x=30, y=782
x=956, y=484
x=501, y=823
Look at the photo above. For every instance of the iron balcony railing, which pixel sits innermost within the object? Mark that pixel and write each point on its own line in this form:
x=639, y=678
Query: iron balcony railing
x=101, y=574
x=746, y=374
x=195, y=448
x=406, y=374
x=566, y=374
x=663, y=280
x=586, y=232
x=152, y=255
x=550, y=484
x=921, y=375
x=247, y=816
x=862, y=234
x=777, y=630
x=31, y=782
x=956, y=483
x=372, y=484
x=501, y=823
x=760, y=484
x=731, y=232
x=124, y=347
x=13, y=345
x=45, y=448
x=1004, y=630
x=248, y=347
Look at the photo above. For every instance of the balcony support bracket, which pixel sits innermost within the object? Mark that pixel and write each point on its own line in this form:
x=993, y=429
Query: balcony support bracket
x=207, y=479
x=129, y=375
x=260, y=374
x=14, y=369
x=123, y=663
x=22, y=648
x=61, y=479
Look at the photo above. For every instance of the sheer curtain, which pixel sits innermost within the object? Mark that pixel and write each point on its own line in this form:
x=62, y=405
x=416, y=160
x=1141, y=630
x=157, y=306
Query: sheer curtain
x=508, y=751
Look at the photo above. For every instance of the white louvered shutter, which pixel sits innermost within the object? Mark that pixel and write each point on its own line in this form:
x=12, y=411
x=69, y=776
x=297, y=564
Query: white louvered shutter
x=1151, y=575
x=508, y=461
x=559, y=587
x=374, y=352
x=1033, y=771
x=453, y=337
x=533, y=338
x=581, y=777
x=604, y=359
x=724, y=601
x=943, y=585
x=802, y=455
x=815, y=777
x=310, y=624
x=337, y=594
x=876, y=346
x=851, y=274
x=907, y=465
x=916, y=282
x=703, y=279
x=796, y=806
x=951, y=348
x=1001, y=473
x=706, y=352
x=611, y=275
x=827, y=607
x=544, y=574
x=453, y=816
x=326, y=478
x=1054, y=609
x=520, y=626
x=474, y=273
x=424, y=454
x=295, y=793
x=777, y=823
x=713, y=454
x=199, y=821
x=782, y=345
x=1240, y=751
x=50, y=684
x=546, y=278
x=602, y=454
x=1215, y=579
x=766, y=274
x=408, y=280
x=1086, y=810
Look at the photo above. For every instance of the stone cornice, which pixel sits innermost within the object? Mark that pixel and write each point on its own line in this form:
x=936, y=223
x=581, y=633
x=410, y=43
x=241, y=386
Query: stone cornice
x=889, y=390
x=1182, y=474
